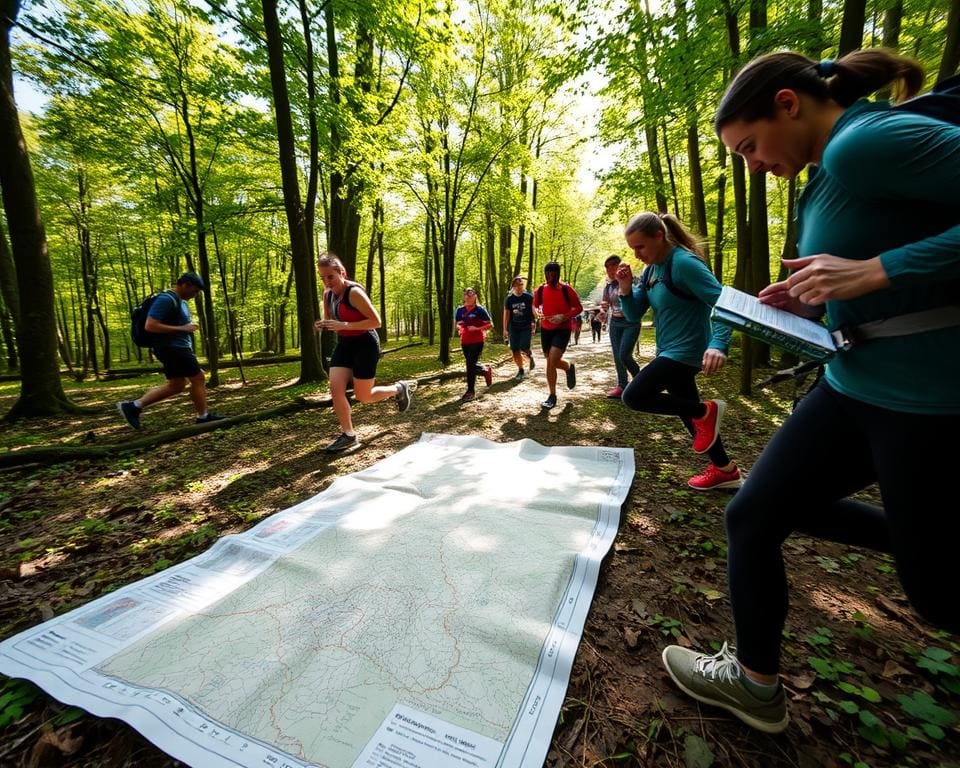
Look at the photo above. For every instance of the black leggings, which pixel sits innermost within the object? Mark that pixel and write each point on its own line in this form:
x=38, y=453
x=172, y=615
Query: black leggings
x=667, y=387
x=830, y=447
x=472, y=354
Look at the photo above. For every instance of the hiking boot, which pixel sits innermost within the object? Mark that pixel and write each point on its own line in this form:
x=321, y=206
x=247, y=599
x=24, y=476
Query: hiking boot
x=707, y=427
x=342, y=443
x=488, y=375
x=571, y=376
x=468, y=396
x=550, y=402
x=520, y=375
x=403, y=396
x=532, y=364
x=130, y=412
x=211, y=416
x=714, y=477
x=615, y=393
x=719, y=681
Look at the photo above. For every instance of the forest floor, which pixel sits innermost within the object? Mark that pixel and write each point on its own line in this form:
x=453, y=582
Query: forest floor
x=868, y=684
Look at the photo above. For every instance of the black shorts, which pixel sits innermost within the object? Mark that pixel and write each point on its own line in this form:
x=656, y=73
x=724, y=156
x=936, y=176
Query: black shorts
x=556, y=337
x=520, y=338
x=178, y=362
x=358, y=353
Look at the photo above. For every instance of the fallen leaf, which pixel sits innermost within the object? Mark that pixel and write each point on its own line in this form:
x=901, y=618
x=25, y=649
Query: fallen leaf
x=682, y=640
x=53, y=746
x=802, y=681
x=697, y=753
x=632, y=637
x=639, y=607
x=892, y=669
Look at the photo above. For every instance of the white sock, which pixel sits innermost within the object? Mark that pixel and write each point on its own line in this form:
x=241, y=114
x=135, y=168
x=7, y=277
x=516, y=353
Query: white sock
x=351, y=433
x=203, y=415
x=136, y=404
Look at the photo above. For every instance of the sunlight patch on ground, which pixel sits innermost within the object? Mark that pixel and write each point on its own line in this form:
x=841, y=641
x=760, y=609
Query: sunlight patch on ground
x=283, y=384
x=842, y=605
x=645, y=524
x=45, y=563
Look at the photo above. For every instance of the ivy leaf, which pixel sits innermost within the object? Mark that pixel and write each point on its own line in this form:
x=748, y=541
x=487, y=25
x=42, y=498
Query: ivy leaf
x=923, y=707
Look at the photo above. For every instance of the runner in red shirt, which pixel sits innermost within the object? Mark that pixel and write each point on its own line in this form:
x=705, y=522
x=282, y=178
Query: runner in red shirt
x=557, y=304
x=473, y=322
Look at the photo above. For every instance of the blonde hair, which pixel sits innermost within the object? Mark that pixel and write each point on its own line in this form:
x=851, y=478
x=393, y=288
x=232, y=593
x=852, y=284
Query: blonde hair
x=649, y=223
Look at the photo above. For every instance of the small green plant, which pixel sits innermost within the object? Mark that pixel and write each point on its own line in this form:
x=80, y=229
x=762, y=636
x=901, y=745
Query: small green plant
x=160, y=565
x=821, y=637
x=828, y=564
x=932, y=717
x=668, y=627
x=167, y=514
x=16, y=696
x=89, y=528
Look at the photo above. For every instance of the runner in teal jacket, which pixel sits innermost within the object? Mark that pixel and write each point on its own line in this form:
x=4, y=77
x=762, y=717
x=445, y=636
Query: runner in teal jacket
x=879, y=236
x=682, y=291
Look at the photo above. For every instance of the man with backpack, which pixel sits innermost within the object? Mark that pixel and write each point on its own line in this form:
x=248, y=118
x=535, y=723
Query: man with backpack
x=168, y=328
x=557, y=304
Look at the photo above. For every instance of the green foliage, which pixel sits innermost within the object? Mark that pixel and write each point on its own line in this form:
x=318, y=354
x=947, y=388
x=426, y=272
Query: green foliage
x=16, y=696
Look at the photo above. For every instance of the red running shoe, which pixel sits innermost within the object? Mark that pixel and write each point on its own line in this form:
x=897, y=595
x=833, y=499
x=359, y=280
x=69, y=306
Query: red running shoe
x=614, y=394
x=712, y=478
x=707, y=428
x=488, y=375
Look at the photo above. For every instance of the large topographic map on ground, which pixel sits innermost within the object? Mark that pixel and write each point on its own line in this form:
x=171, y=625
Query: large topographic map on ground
x=421, y=613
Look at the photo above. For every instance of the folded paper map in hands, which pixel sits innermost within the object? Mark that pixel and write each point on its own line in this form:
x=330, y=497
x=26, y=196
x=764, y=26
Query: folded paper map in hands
x=783, y=329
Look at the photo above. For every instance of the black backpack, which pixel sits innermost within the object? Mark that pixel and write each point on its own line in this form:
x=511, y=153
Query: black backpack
x=941, y=103
x=667, y=277
x=138, y=321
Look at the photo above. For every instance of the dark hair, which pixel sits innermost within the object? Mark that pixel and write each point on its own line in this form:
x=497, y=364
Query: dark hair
x=551, y=266
x=649, y=223
x=612, y=260
x=750, y=96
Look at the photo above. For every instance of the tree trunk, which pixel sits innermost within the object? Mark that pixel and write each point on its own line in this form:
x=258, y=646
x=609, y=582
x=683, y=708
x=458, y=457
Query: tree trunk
x=379, y=222
x=696, y=182
x=951, y=49
x=673, y=181
x=41, y=391
x=851, y=28
x=11, y=302
x=344, y=224
x=892, y=22
x=721, y=211
x=311, y=367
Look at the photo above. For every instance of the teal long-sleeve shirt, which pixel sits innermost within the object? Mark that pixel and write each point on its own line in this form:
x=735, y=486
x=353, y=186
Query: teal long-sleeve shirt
x=889, y=186
x=683, y=325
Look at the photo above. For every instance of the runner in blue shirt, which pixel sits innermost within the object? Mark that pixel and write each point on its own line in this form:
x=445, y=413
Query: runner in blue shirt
x=879, y=237
x=169, y=318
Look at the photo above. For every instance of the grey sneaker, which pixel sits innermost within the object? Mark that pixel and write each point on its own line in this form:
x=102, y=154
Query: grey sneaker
x=571, y=376
x=342, y=443
x=130, y=412
x=520, y=375
x=717, y=680
x=403, y=396
x=550, y=402
x=211, y=416
x=532, y=363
